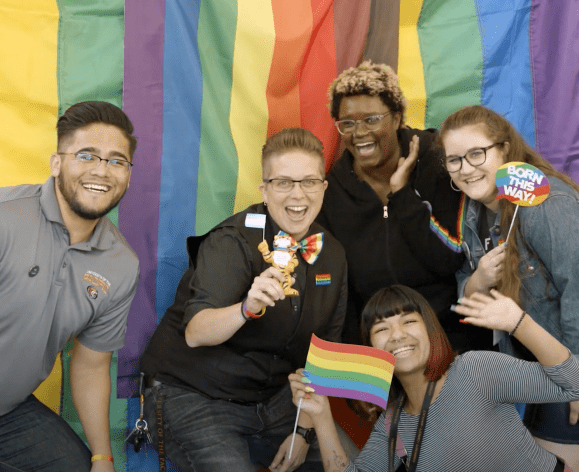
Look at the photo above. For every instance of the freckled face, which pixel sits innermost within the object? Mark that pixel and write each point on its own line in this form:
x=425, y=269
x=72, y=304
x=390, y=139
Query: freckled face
x=371, y=149
x=294, y=211
x=477, y=182
x=406, y=337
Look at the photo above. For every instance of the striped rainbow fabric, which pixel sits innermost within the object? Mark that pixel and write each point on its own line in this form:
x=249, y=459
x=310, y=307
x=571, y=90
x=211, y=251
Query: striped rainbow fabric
x=349, y=371
x=205, y=82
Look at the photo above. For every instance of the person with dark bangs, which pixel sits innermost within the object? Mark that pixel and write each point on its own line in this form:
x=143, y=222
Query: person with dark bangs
x=451, y=412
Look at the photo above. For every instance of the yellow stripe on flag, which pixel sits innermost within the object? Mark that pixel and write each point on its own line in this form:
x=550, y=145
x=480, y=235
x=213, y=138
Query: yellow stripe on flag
x=382, y=371
x=410, y=67
x=28, y=92
x=248, y=114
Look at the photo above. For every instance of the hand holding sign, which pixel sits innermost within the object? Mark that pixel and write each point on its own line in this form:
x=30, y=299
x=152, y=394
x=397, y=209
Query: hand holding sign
x=521, y=184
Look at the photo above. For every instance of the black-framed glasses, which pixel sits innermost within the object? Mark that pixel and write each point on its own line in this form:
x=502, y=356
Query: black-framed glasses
x=370, y=123
x=90, y=159
x=475, y=157
x=286, y=185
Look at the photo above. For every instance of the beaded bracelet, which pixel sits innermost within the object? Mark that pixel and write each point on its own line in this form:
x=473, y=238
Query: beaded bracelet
x=248, y=315
x=101, y=457
x=518, y=323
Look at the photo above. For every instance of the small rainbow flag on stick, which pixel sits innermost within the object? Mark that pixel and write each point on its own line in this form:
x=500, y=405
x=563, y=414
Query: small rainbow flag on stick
x=349, y=371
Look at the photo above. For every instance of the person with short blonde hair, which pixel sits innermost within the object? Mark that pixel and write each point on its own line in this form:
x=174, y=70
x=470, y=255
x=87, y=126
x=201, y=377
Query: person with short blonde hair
x=219, y=359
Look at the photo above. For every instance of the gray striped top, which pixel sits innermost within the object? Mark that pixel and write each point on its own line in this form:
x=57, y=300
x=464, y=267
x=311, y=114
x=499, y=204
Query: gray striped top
x=473, y=425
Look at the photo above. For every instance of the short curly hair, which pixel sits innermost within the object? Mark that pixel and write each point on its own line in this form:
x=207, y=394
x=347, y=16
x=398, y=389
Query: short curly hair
x=368, y=79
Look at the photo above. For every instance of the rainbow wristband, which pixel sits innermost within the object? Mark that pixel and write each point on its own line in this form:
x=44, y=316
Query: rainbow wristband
x=101, y=457
x=248, y=314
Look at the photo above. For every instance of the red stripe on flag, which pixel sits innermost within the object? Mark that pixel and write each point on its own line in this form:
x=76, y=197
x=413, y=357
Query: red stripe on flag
x=318, y=71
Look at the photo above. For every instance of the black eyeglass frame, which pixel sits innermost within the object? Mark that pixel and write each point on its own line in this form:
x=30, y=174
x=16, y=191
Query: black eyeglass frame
x=108, y=161
x=462, y=158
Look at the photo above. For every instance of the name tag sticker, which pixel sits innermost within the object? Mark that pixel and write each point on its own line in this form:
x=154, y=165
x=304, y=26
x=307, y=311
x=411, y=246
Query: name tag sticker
x=254, y=220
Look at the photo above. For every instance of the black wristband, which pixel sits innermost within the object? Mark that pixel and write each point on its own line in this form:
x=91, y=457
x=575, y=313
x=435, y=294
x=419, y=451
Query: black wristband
x=518, y=323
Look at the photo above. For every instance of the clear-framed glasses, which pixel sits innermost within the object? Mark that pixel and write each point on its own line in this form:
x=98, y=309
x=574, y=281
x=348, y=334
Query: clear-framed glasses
x=370, y=123
x=89, y=159
x=286, y=185
x=475, y=157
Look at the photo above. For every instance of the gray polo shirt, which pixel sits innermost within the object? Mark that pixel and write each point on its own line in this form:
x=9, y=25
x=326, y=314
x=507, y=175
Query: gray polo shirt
x=81, y=291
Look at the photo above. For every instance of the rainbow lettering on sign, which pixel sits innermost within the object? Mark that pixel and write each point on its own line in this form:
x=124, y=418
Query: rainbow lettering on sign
x=349, y=371
x=521, y=184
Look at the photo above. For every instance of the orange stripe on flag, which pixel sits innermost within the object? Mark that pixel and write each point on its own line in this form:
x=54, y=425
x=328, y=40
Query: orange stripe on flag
x=293, y=27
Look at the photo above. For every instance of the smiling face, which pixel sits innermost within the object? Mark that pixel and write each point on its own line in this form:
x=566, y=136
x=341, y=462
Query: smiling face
x=477, y=182
x=294, y=211
x=86, y=190
x=372, y=150
x=406, y=337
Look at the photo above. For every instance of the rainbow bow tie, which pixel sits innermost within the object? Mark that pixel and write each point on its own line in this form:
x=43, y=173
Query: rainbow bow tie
x=309, y=247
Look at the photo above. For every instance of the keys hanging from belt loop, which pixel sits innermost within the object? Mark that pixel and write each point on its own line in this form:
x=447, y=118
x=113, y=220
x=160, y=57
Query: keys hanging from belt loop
x=140, y=434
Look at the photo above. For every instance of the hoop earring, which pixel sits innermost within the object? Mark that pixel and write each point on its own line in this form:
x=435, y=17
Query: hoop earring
x=453, y=187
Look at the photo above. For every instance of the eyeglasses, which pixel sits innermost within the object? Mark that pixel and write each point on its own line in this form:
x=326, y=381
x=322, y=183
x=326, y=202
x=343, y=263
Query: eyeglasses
x=286, y=185
x=475, y=157
x=88, y=159
x=370, y=123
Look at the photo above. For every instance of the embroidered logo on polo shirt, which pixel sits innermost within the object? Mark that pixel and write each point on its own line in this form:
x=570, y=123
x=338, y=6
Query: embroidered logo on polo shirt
x=92, y=292
x=323, y=279
x=97, y=280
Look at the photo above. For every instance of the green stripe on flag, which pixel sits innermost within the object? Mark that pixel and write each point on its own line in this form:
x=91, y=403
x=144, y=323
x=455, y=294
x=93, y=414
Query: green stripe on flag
x=90, y=67
x=218, y=166
x=443, y=25
x=348, y=375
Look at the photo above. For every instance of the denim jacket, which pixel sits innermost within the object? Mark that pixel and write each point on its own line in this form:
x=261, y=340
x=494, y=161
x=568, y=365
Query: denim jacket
x=548, y=264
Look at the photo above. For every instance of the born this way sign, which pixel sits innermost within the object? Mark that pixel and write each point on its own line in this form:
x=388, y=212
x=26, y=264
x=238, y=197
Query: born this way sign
x=521, y=184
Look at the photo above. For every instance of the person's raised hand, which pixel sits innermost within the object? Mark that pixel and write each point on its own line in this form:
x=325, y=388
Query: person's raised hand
x=494, y=311
x=312, y=404
x=265, y=290
x=405, y=166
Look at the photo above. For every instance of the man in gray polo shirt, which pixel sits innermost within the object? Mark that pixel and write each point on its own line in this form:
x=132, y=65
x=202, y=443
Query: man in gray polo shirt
x=65, y=272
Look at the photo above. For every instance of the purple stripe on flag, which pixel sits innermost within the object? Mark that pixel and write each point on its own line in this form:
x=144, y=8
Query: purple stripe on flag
x=139, y=209
x=353, y=394
x=554, y=39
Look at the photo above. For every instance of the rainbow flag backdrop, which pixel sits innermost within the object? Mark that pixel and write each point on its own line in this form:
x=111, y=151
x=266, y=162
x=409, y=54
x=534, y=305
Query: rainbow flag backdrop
x=349, y=371
x=206, y=81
